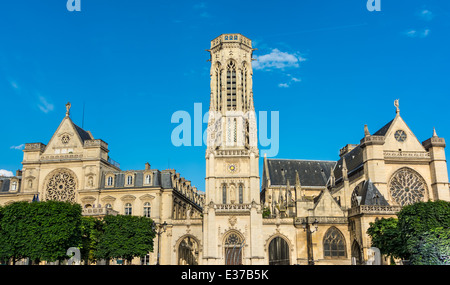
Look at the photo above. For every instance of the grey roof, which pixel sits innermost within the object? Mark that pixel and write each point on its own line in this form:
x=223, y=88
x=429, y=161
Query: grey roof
x=4, y=184
x=353, y=160
x=82, y=133
x=310, y=172
x=369, y=194
x=120, y=180
x=383, y=130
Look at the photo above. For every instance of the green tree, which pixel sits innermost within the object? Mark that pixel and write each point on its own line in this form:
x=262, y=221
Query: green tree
x=418, y=234
x=39, y=231
x=431, y=248
x=386, y=237
x=14, y=238
x=90, y=235
x=125, y=237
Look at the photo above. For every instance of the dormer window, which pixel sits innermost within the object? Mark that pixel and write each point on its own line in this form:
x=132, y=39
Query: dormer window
x=148, y=179
x=109, y=181
x=14, y=186
x=129, y=180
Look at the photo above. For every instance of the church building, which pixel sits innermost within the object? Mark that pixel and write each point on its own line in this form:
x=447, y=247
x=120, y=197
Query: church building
x=298, y=211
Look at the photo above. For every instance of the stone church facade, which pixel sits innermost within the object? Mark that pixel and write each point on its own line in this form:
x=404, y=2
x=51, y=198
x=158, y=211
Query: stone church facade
x=298, y=212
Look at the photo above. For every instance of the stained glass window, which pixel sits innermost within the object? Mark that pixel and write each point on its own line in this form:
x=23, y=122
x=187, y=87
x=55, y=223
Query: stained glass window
x=407, y=187
x=334, y=244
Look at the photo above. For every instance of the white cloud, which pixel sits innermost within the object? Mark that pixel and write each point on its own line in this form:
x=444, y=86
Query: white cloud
x=45, y=106
x=283, y=85
x=417, y=33
x=18, y=147
x=278, y=60
x=7, y=173
x=426, y=15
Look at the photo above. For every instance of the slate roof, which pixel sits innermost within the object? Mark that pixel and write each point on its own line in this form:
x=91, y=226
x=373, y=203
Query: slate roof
x=4, y=184
x=353, y=160
x=369, y=194
x=383, y=130
x=120, y=180
x=310, y=172
x=82, y=133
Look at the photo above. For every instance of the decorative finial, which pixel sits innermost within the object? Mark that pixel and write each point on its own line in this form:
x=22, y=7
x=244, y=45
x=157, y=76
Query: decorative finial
x=68, y=105
x=397, y=105
x=366, y=131
x=434, y=133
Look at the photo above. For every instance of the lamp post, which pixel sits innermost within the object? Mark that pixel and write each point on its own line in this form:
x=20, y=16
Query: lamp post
x=159, y=229
x=309, y=232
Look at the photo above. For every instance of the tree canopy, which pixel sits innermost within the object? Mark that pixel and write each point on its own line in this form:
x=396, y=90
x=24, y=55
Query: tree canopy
x=420, y=234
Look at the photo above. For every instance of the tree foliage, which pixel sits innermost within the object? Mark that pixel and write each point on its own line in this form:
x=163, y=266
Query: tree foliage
x=44, y=231
x=39, y=231
x=430, y=248
x=125, y=237
x=418, y=234
x=385, y=236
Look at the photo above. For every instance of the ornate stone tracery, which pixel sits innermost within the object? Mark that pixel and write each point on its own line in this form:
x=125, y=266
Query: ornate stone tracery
x=61, y=186
x=407, y=187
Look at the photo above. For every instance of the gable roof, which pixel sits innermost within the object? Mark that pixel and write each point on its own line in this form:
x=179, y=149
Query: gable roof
x=384, y=129
x=84, y=135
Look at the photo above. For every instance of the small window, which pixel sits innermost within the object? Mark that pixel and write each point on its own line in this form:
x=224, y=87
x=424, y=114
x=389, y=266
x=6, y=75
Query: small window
x=109, y=181
x=148, y=179
x=147, y=210
x=130, y=180
x=224, y=194
x=14, y=186
x=241, y=194
x=108, y=206
x=128, y=209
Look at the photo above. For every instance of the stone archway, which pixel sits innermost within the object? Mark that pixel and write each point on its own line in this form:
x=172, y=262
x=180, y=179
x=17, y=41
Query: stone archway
x=188, y=251
x=233, y=246
x=279, y=251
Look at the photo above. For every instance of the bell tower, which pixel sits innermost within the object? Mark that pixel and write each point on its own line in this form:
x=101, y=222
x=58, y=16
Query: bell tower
x=232, y=183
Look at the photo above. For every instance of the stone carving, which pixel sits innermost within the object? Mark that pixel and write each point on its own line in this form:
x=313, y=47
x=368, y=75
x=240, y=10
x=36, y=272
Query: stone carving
x=407, y=187
x=61, y=187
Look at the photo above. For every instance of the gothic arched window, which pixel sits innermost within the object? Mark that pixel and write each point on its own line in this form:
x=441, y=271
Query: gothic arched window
x=224, y=194
x=231, y=86
x=234, y=245
x=241, y=194
x=244, y=85
x=334, y=244
x=278, y=252
x=407, y=187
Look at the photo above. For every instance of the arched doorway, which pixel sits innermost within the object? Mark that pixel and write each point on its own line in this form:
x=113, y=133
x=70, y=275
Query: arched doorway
x=356, y=254
x=188, y=251
x=233, y=248
x=279, y=252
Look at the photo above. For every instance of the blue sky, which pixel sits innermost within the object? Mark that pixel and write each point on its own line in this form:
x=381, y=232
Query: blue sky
x=328, y=68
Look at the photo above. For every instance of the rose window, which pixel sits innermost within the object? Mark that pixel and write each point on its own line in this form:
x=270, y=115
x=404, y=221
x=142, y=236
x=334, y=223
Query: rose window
x=407, y=187
x=61, y=187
